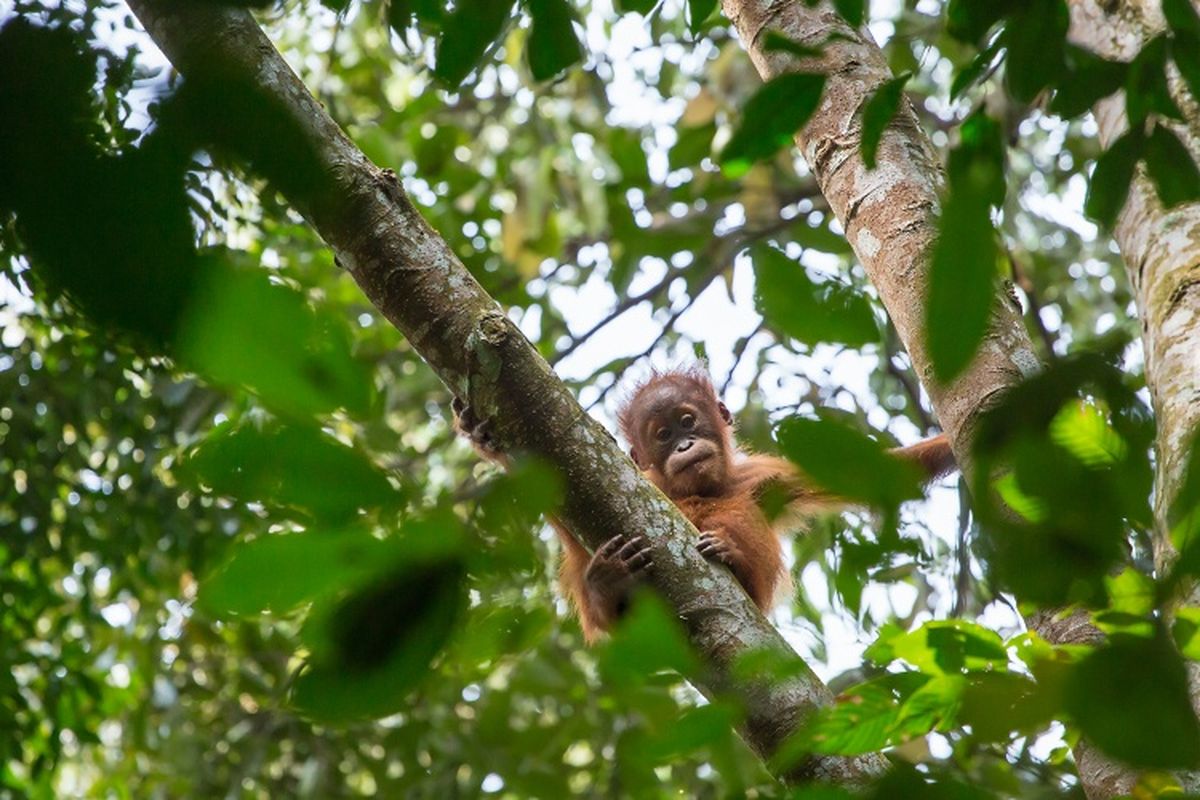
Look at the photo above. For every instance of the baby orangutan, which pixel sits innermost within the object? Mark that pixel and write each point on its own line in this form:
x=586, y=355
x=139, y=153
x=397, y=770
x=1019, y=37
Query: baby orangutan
x=681, y=437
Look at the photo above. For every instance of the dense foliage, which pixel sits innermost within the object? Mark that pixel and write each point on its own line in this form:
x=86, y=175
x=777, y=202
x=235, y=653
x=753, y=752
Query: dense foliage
x=243, y=554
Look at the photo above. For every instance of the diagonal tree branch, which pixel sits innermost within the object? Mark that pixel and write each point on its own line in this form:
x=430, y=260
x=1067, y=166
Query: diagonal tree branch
x=411, y=274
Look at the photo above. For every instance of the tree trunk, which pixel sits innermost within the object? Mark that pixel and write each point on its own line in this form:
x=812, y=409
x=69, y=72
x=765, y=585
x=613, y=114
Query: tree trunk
x=414, y=278
x=1161, y=248
x=890, y=218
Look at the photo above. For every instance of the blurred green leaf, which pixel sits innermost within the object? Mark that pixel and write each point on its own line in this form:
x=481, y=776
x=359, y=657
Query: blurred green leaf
x=943, y=647
x=467, y=34
x=1172, y=168
x=770, y=119
x=969, y=20
x=278, y=572
x=853, y=11
x=693, y=145
x=1087, y=79
x=835, y=457
x=698, y=12
x=1035, y=36
x=648, y=639
x=1109, y=186
x=878, y=111
x=1130, y=698
x=240, y=330
x=553, y=44
x=289, y=466
x=962, y=281
x=373, y=642
x=1146, y=89
x=811, y=312
x=1185, y=631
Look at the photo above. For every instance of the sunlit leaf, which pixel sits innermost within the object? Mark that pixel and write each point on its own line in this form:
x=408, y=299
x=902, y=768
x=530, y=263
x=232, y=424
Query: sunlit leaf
x=1083, y=431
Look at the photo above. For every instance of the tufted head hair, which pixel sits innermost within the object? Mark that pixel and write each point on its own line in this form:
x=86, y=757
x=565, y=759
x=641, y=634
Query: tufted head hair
x=693, y=378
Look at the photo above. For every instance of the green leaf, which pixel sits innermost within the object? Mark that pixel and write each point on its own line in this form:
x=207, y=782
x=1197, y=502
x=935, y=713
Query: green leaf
x=467, y=34
x=643, y=7
x=776, y=42
x=1182, y=17
x=862, y=719
x=770, y=120
x=288, y=466
x=276, y=573
x=1082, y=430
x=371, y=648
x=1035, y=37
x=1172, y=168
x=976, y=165
x=692, y=146
x=998, y=704
x=969, y=20
x=836, y=456
x=980, y=65
x=241, y=330
x=961, y=284
x=1146, y=88
x=1087, y=79
x=1185, y=50
x=1131, y=700
x=808, y=311
x=943, y=647
x=853, y=11
x=1109, y=185
x=698, y=13
x=1186, y=632
x=877, y=112
x=553, y=44
x=648, y=639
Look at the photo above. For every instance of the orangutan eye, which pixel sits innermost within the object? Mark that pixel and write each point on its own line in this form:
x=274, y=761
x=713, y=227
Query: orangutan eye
x=687, y=422
x=662, y=434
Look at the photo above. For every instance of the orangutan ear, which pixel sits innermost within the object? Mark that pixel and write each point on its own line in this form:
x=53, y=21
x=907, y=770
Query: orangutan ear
x=633, y=453
x=724, y=412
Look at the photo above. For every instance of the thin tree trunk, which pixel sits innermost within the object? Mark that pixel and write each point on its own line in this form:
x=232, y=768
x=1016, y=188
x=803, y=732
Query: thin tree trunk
x=414, y=278
x=890, y=218
x=1161, y=248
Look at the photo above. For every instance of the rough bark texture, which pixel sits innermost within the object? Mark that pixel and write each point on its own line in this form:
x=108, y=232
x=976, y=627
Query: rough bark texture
x=889, y=213
x=890, y=218
x=413, y=277
x=1161, y=248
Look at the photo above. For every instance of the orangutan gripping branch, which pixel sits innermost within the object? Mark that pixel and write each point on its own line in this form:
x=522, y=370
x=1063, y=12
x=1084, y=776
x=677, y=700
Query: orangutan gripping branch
x=681, y=436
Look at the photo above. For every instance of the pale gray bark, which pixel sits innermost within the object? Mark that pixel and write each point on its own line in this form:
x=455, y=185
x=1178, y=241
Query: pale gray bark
x=890, y=218
x=1161, y=248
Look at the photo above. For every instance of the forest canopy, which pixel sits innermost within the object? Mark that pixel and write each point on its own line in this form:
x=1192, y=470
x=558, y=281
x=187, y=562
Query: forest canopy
x=253, y=251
